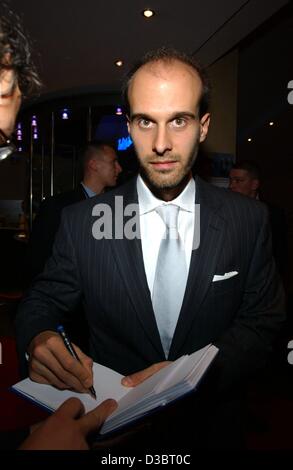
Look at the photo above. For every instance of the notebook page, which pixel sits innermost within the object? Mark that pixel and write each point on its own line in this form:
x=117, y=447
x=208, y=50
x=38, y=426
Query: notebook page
x=107, y=384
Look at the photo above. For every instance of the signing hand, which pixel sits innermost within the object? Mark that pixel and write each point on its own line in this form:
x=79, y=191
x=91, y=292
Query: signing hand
x=51, y=363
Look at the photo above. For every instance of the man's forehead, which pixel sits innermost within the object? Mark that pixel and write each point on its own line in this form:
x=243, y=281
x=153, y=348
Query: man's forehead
x=164, y=69
x=239, y=173
x=109, y=152
x=163, y=86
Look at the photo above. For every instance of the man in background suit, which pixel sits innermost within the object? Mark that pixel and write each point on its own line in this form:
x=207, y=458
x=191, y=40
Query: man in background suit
x=245, y=178
x=100, y=170
x=232, y=297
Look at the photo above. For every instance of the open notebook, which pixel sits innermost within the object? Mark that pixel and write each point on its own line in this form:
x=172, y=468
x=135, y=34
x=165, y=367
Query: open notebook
x=166, y=385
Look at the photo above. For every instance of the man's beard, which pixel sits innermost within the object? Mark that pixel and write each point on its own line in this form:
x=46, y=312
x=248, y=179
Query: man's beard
x=166, y=179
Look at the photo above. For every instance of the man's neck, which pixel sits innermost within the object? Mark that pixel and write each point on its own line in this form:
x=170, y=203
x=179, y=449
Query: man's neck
x=167, y=194
x=91, y=183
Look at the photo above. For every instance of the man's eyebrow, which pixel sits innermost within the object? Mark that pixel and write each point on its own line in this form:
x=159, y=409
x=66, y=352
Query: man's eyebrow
x=176, y=115
x=182, y=114
x=140, y=116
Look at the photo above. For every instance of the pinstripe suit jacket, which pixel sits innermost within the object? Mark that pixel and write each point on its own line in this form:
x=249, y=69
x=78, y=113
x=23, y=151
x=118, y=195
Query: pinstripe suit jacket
x=46, y=225
x=241, y=315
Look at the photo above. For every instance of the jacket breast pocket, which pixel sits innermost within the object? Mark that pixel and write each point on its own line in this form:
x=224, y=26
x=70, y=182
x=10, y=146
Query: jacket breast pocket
x=226, y=285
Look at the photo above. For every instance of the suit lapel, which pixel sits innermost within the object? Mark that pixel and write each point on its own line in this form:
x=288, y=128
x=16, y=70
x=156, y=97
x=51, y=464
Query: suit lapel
x=202, y=265
x=129, y=258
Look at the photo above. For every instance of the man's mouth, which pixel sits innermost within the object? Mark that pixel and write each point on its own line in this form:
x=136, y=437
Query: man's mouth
x=166, y=165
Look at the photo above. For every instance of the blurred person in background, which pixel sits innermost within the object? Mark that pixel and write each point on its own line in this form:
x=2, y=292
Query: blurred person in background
x=68, y=427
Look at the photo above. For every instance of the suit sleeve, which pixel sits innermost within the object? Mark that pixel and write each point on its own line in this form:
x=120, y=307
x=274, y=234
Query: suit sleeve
x=43, y=234
x=245, y=347
x=54, y=294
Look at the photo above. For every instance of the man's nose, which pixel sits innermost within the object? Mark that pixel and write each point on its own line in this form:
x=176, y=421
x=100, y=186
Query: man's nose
x=232, y=185
x=162, y=141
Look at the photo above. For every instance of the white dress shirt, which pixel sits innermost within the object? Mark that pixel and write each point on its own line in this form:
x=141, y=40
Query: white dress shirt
x=152, y=227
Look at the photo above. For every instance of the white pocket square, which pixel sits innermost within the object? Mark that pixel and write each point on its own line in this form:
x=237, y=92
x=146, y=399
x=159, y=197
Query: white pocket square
x=223, y=277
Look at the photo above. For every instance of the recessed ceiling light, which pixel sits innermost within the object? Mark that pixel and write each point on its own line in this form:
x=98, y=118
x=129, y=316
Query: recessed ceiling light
x=250, y=139
x=271, y=123
x=119, y=63
x=148, y=13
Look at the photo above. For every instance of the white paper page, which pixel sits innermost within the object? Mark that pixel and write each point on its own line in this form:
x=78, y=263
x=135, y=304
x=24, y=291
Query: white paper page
x=197, y=373
x=107, y=384
x=178, y=374
x=145, y=389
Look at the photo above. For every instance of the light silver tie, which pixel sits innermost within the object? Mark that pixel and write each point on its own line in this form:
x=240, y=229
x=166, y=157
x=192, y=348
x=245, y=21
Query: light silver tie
x=170, y=277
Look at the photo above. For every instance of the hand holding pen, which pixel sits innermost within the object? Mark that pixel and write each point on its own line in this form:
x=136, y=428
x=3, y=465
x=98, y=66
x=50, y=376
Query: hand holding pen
x=70, y=348
x=50, y=364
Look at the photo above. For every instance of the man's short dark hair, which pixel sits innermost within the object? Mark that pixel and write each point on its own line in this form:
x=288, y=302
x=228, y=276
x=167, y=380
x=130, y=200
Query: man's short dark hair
x=169, y=55
x=93, y=147
x=14, y=42
x=250, y=166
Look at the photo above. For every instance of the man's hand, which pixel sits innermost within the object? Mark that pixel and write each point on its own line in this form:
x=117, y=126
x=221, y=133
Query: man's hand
x=68, y=427
x=135, y=379
x=51, y=363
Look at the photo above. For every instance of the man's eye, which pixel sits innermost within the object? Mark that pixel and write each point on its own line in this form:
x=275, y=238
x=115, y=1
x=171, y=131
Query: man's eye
x=179, y=122
x=144, y=123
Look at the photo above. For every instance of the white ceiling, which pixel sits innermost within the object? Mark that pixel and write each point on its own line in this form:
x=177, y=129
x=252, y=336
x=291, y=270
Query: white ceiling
x=76, y=42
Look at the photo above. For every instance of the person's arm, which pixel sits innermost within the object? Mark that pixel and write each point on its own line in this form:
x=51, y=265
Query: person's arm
x=246, y=345
x=68, y=428
x=44, y=230
x=50, y=302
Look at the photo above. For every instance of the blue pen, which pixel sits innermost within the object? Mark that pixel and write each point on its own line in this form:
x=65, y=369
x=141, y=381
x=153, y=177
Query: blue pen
x=70, y=348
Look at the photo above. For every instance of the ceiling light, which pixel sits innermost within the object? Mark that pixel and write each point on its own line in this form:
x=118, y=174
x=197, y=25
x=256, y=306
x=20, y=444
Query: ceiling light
x=271, y=123
x=64, y=114
x=148, y=13
x=250, y=139
x=119, y=63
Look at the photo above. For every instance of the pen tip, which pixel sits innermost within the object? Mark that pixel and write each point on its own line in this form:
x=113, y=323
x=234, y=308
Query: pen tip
x=93, y=393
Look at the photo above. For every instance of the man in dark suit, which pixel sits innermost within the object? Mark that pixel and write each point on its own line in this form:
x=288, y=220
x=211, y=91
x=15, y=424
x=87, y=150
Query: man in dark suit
x=232, y=297
x=245, y=178
x=100, y=170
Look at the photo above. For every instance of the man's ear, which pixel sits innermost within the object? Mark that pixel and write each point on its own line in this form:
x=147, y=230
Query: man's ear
x=204, y=126
x=93, y=164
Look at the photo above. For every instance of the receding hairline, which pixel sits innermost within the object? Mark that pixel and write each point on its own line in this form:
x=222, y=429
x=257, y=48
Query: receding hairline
x=159, y=67
x=162, y=58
